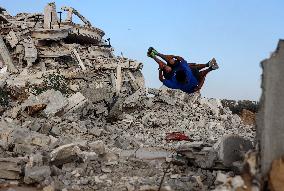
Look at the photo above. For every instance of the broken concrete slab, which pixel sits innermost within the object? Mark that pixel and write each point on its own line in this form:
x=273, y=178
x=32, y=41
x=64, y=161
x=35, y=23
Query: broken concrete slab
x=4, y=53
x=54, y=100
x=36, y=174
x=11, y=168
x=232, y=148
x=66, y=153
x=75, y=102
x=98, y=147
x=270, y=123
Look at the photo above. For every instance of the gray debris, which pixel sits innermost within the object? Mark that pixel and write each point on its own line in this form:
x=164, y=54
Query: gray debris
x=233, y=148
x=66, y=153
x=11, y=168
x=54, y=100
x=82, y=119
x=36, y=174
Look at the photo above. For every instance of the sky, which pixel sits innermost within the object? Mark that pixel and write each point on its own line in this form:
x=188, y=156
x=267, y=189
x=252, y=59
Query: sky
x=238, y=33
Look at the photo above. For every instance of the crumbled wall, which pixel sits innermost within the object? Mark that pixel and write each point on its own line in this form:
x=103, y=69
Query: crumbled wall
x=270, y=128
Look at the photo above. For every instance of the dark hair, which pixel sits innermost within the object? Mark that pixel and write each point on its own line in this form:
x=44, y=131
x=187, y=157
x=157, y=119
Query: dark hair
x=181, y=76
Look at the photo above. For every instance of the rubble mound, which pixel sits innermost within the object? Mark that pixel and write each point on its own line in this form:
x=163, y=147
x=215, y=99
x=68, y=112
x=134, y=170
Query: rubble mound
x=75, y=117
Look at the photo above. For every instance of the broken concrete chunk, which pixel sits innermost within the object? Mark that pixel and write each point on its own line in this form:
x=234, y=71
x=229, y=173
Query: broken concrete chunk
x=12, y=39
x=221, y=178
x=88, y=156
x=36, y=174
x=5, y=55
x=98, y=147
x=232, y=148
x=30, y=51
x=66, y=153
x=54, y=101
x=75, y=102
x=237, y=182
x=11, y=168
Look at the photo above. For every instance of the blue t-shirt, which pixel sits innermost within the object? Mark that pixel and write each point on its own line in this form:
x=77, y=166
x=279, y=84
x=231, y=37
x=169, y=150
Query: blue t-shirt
x=191, y=81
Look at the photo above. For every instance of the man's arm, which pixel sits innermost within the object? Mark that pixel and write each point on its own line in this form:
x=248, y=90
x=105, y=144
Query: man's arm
x=161, y=77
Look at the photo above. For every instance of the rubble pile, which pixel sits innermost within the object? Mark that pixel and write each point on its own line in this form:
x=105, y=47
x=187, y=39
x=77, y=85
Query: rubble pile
x=75, y=117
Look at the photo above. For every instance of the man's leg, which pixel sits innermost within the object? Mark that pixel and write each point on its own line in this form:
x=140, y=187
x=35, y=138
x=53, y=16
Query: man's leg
x=198, y=66
x=168, y=58
x=162, y=65
x=203, y=74
x=211, y=64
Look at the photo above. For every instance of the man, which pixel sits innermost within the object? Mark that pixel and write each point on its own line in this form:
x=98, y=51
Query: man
x=176, y=73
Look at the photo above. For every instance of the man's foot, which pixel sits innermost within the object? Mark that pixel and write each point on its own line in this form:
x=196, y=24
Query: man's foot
x=152, y=52
x=213, y=64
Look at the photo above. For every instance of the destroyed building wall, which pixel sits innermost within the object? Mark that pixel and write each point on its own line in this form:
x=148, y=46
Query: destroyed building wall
x=34, y=45
x=270, y=125
x=76, y=117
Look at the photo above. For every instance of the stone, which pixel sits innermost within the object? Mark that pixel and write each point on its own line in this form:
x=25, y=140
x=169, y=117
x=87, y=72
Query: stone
x=110, y=159
x=237, y=182
x=75, y=103
x=65, y=154
x=54, y=100
x=96, y=131
x=12, y=38
x=36, y=174
x=5, y=55
x=101, y=108
x=10, y=168
x=88, y=156
x=30, y=51
x=232, y=148
x=122, y=142
x=35, y=160
x=98, y=147
x=221, y=178
x=106, y=170
x=48, y=188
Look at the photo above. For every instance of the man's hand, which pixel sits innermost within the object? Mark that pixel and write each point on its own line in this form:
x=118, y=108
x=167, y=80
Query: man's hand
x=161, y=76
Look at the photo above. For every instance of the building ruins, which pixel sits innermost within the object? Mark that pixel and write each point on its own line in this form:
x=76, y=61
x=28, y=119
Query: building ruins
x=73, y=116
x=36, y=44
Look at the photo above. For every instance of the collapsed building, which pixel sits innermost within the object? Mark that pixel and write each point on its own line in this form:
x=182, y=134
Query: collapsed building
x=73, y=116
x=42, y=44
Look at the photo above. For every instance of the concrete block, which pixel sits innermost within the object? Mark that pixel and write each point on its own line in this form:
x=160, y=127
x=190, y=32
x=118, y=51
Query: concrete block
x=270, y=120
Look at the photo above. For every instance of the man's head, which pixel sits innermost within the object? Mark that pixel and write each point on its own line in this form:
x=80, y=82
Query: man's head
x=181, y=76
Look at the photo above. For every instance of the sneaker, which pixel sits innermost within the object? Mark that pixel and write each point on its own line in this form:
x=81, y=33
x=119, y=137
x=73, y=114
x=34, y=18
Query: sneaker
x=152, y=51
x=213, y=64
x=150, y=54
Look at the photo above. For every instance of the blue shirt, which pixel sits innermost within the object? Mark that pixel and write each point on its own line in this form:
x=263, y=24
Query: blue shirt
x=191, y=81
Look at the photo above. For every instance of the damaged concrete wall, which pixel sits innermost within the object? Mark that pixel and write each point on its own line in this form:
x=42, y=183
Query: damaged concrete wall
x=6, y=56
x=40, y=44
x=270, y=127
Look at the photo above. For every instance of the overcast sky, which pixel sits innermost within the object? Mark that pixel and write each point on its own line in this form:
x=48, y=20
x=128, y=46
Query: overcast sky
x=238, y=33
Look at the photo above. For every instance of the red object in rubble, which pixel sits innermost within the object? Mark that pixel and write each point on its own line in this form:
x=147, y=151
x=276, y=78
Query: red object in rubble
x=176, y=136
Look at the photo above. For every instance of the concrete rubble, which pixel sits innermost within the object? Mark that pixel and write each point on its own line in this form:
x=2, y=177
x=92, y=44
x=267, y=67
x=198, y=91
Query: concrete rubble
x=73, y=116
